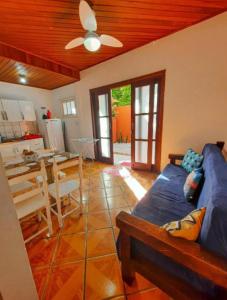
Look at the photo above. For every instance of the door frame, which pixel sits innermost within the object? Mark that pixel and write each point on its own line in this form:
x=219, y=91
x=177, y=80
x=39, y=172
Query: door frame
x=96, y=131
x=160, y=75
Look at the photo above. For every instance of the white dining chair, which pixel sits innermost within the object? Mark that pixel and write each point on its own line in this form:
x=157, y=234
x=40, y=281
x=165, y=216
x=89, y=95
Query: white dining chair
x=65, y=186
x=39, y=179
x=19, y=186
x=45, y=153
x=33, y=201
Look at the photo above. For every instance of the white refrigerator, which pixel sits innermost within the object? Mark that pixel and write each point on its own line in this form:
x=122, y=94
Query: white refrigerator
x=53, y=134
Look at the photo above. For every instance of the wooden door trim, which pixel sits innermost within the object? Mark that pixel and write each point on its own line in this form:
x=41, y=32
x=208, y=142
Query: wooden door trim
x=130, y=81
x=160, y=113
x=96, y=133
x=92, y=104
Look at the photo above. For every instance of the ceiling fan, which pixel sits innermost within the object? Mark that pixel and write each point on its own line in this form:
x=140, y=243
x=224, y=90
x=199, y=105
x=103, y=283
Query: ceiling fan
x=92, y=41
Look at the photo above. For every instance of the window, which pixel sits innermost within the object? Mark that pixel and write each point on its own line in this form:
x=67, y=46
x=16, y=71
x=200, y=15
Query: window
x=69, y=108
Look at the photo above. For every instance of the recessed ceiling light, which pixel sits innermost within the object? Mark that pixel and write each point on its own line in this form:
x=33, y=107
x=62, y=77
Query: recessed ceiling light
x=22, y=79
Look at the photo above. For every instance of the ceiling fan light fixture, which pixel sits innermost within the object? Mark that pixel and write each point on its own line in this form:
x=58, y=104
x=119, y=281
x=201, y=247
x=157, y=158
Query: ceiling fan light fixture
x=92, y=42
x=22, y=79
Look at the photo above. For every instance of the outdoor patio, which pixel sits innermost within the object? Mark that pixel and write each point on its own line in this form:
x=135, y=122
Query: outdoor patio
x=122, y=152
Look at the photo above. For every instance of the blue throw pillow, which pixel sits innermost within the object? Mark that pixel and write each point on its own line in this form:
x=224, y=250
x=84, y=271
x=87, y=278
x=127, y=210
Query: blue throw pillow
x=191, y=160
x=192, y=185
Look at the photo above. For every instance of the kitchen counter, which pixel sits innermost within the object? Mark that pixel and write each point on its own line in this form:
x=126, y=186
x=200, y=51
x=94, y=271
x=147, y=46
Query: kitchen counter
x=19, y=139
x=11, y=141
x=17, y=146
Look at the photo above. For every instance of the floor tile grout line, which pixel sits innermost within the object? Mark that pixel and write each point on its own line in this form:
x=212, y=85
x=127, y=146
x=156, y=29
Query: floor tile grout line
x=50, y=267
x=101, y=256
x=43, y=296
x=141, y=290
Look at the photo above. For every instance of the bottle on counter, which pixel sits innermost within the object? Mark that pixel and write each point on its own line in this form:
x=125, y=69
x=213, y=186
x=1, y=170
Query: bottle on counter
x=48, y=114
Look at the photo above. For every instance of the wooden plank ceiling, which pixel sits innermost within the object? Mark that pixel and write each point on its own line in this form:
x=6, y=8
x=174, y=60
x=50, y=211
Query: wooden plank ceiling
x=44, y=27
x=36, y=77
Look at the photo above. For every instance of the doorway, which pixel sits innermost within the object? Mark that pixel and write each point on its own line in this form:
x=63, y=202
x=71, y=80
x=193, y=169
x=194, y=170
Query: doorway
x=121, y=124
x=146, y=110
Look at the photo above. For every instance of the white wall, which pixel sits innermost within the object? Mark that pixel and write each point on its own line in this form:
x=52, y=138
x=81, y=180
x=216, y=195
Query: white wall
x=195, y=105
x=72, y=124
x=39, y=97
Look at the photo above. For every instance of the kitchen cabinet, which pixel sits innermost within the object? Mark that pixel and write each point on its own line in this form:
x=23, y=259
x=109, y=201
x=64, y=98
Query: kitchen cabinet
x=16, y=111
x=27, y=111
x=13, y=149
x=7, y=150
x=11, y=110
x=37, y=144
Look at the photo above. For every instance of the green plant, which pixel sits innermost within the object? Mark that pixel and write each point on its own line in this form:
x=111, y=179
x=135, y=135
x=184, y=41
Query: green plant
x=120, y=138
x=126, y=139
x=122, y=95
x=114, y=107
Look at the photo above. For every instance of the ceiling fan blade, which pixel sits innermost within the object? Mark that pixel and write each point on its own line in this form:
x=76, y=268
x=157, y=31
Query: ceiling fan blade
x=87, y=16
x=74, y=43
x=109, y=40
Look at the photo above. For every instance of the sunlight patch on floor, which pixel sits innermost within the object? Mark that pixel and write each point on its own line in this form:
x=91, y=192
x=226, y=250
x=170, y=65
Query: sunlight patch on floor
x=138, y=190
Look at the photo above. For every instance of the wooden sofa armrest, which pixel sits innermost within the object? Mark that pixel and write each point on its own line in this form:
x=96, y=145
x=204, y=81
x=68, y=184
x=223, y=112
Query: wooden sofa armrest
x=174, y=157
x=187, y=253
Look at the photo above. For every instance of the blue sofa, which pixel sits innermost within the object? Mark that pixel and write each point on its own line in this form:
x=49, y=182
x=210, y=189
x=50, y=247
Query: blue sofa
x=165, y=202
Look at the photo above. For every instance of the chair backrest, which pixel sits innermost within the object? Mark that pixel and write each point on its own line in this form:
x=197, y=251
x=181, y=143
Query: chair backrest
x=78, y=174
x=36, y=188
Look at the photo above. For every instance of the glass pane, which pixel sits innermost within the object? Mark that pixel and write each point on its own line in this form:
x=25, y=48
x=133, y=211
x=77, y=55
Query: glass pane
x=104, y=127
x=142, y=97
x=65, y=108
x=73, y=107
x=141, y=151
x=153, y=152
x=69, y=111
x=141, y=126
x=105, y=147
x=154, y=126
x=155, y=97
x=103, y=105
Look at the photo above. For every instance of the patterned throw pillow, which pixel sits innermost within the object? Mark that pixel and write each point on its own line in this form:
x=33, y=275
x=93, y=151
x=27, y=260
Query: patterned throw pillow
x=192, y=184
x=189, y=227
x=191, y=160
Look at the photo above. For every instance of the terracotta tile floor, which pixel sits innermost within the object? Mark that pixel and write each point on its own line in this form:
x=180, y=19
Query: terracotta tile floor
x=80, y=261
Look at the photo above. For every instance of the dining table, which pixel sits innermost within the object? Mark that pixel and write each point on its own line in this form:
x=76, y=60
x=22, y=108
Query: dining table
x=18, y=166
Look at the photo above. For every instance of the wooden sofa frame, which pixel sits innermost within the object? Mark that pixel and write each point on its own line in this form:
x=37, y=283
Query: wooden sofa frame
x=186, y=253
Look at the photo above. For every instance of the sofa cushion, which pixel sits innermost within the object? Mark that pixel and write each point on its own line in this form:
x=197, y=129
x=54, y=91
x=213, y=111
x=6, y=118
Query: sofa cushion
x=189, y=227
x=213, y=235
x=191, y=160
x=165, y=201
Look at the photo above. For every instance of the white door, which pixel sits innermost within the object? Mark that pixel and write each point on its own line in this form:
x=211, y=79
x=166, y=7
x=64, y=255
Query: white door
x=11, y=110
x=27, y=111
